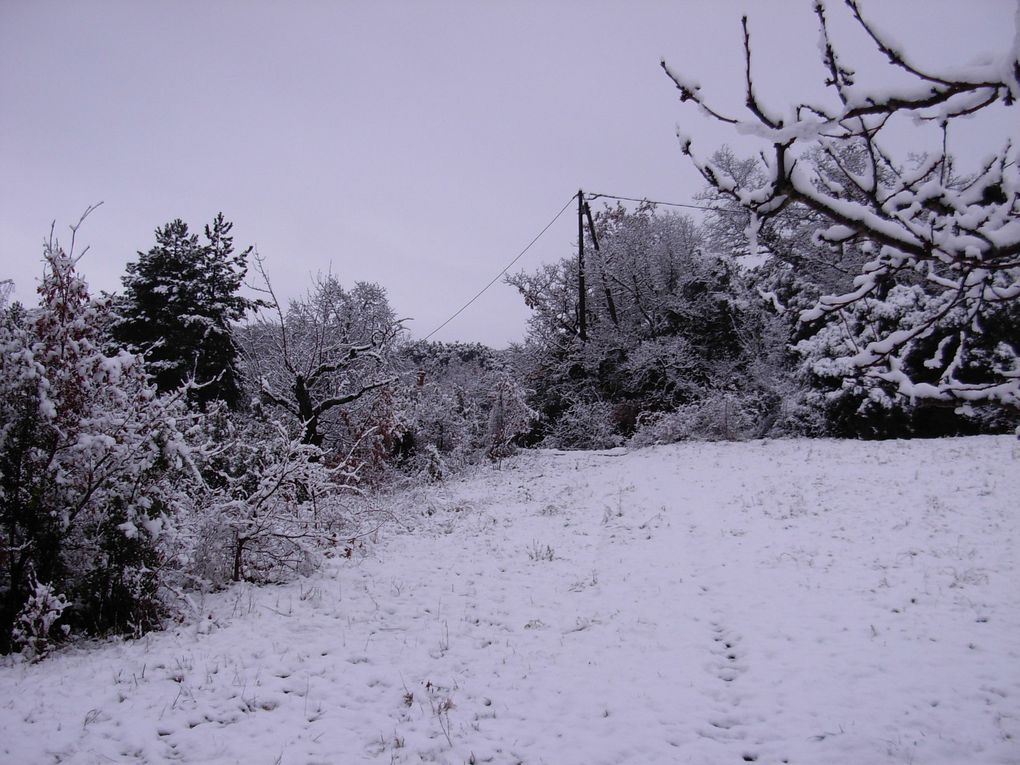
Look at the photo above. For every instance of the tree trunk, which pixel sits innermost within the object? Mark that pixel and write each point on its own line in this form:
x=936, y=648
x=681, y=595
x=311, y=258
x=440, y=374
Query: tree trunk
x=306, y=411
x=238, y=556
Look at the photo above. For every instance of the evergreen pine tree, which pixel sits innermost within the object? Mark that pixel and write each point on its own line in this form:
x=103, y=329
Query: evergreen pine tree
x=179, y=302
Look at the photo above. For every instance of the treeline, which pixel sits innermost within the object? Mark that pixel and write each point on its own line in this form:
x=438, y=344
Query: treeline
x=178, y=436
x=181, y=435
x=705, y=331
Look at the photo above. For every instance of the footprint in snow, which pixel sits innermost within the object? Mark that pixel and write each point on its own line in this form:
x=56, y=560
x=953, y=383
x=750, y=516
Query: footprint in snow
x=727, y=665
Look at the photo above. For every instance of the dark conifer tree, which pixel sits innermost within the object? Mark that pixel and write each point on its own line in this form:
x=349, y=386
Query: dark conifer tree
x=179, y=301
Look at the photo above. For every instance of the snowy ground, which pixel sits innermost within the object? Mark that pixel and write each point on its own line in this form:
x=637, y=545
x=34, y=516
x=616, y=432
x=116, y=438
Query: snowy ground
x=771, y=602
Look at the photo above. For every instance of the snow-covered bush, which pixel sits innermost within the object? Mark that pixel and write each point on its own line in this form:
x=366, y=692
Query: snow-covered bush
x=510, y=417
x=87, y=452
x=271, y=505
x=445, y=407
x=433, y=465
x=33, y=627
x=876, y=407
x=443, y=425
x=584, y=425
x=721, y=417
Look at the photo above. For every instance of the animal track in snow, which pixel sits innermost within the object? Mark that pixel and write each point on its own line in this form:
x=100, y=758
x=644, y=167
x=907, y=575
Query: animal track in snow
x=724, y=724
x=726, y=664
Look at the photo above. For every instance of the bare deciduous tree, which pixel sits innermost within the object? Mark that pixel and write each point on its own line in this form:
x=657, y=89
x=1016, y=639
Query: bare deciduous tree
x=324, y=352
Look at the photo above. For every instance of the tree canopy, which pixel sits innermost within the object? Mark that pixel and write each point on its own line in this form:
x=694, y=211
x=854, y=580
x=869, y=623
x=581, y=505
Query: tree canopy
x=180, y=299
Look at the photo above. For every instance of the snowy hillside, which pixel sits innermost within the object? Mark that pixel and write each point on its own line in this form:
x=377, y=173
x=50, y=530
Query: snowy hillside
x=773, y=602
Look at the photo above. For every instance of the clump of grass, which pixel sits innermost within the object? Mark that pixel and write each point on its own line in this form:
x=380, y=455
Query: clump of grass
x=538, y=552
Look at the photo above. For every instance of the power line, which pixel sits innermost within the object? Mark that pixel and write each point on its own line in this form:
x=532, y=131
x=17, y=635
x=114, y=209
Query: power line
x=506, y=268
x=667, y=204
x=538, y=236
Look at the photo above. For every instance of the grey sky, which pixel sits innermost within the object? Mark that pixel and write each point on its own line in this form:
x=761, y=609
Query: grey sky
x=419, y=145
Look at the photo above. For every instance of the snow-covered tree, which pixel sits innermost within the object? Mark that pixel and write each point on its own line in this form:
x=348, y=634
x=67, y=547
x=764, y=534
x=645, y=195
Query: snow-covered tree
x=87, y=450
x=180, y=301
x=804, y=366
x=325, y=354
x=860, y=405
x=789, y=272
x=663, y=328
x=919, y=220
x=787, y=248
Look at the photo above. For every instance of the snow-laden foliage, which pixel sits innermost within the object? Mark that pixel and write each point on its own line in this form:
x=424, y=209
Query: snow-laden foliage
x=34, y=624
x=269, y=507
x=717, y=418
x=510, y=417
x=441, y=429
x=864, y=405
x=584, y=424
x=445, y=406
x=115, y=499
x=180, y=301
x=87, y=452
x=919, y=221
x=804, y=366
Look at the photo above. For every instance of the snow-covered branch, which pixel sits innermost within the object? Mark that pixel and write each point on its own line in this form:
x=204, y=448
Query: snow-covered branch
x=926, y=224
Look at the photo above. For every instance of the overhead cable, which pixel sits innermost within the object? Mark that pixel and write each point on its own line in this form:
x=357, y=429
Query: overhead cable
x=506, y=268
x=538, y=236
x=667, y=204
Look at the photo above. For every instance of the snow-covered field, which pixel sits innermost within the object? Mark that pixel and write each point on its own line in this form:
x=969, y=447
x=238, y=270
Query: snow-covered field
x=772, y=602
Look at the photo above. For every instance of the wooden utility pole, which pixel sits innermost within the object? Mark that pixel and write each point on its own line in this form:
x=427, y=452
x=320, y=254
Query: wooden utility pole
x=610, y=304
x=582, y=310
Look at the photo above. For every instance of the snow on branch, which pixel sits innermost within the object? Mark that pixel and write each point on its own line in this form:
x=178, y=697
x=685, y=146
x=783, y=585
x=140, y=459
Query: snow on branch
x=955, y=236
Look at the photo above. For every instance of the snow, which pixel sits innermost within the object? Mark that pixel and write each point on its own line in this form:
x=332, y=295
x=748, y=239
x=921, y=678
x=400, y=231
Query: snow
x=771, y=297
x=786, y=601
x=689, y=88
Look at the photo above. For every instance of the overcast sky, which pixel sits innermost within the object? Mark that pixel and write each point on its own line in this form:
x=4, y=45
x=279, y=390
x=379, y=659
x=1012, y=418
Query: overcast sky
x=418, y=145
